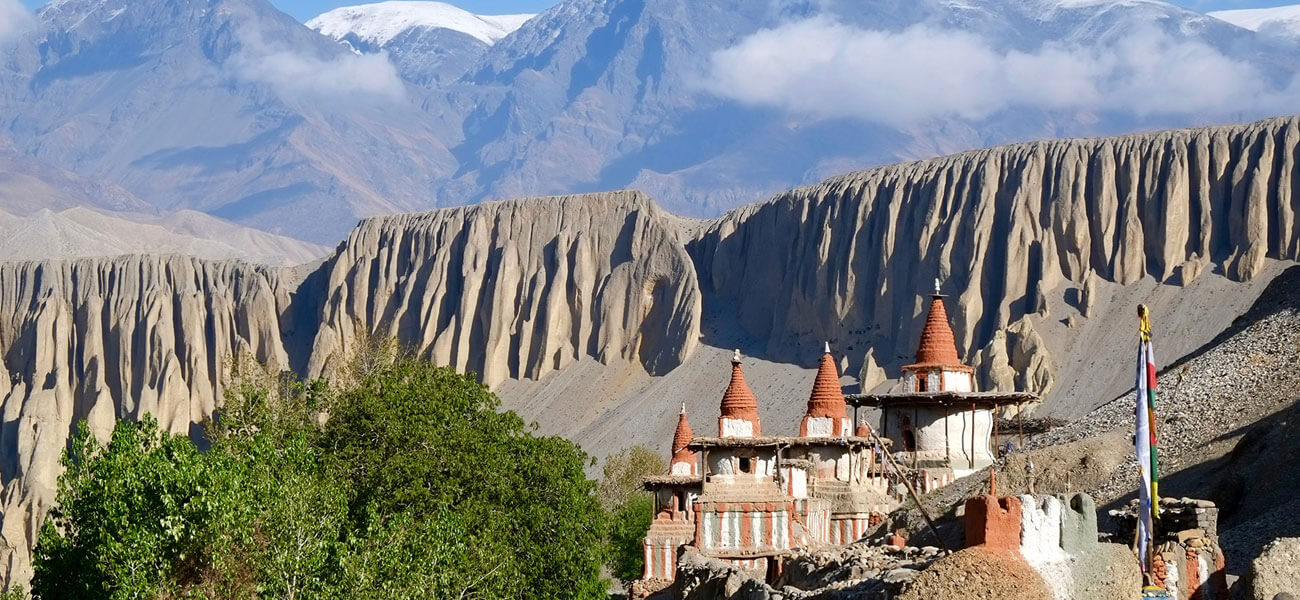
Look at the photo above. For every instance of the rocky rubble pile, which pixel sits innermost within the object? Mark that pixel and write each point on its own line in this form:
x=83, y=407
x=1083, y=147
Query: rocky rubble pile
x=1277, y=570
x=1241, y=377
x=978, y=573
x=858, y=571
x=856, y=564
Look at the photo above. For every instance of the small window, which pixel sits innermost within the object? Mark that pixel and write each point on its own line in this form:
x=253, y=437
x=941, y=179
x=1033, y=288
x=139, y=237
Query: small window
x=746, y=464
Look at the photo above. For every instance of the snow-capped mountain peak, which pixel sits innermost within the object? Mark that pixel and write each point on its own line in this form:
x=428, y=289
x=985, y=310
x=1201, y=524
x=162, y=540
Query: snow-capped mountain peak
x=379, y=23
x=1278, y=19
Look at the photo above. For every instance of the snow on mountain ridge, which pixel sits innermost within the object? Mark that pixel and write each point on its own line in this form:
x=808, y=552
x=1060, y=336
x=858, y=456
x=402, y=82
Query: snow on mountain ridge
x=1281, y=19
x=379, y=23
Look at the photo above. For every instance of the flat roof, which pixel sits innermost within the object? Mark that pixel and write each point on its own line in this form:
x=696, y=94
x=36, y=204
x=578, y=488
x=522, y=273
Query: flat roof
x=656, y=481
x=958, y=399
x=703, y=443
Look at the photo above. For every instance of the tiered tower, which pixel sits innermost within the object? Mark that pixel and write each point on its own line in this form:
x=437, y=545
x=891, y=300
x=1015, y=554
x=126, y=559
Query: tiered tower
x=739, y=414
x=941, y=428
x=937, y=367
x=684, y=461
x=827, y=415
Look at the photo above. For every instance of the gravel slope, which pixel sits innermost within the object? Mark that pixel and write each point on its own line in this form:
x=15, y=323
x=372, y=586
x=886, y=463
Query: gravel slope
x=1229, y=431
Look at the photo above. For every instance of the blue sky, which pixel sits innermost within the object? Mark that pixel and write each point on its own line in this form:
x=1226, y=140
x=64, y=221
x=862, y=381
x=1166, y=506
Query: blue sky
x=306, y=9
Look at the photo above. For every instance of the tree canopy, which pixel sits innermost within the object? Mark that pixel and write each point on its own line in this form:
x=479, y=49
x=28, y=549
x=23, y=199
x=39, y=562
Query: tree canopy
x=401, y=480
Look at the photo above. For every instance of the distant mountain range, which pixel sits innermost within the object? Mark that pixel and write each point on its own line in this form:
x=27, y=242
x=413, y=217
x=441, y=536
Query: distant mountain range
x=231, y=108
x=46, y=213
x=430, y=42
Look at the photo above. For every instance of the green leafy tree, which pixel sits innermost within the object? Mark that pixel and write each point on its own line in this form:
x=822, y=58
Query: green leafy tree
x=628, y=526
x=623, y=473
x=422, y=440
x=135, y=517
x=631, y=507
x=403, y=481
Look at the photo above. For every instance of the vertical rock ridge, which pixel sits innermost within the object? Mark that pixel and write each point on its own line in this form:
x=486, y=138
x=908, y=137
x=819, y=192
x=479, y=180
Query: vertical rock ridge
x=517, y=289
x=115, y=338
x=848, y=259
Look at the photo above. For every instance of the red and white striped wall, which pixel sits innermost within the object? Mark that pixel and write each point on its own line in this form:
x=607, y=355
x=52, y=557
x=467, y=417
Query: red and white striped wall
x=660, y=560
x=756, y=567
x=744, y=526
x=848, y=530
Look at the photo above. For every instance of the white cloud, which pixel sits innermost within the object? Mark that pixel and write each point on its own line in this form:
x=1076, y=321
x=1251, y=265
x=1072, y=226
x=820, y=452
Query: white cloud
x=345, y=77
x=14, y=19
x=827, y=69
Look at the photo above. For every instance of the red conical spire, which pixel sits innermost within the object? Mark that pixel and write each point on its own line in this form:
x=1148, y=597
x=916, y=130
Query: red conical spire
x=938, y=346
x=682, y=438
x=738, y=402
x=827, y=398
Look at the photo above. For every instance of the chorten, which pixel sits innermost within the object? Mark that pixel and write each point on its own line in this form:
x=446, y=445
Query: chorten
x=684, y=461
x=938, y=367
x=827, y=415
x=739, y=414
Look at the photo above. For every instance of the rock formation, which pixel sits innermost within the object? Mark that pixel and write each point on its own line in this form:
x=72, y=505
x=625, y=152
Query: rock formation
x=103, y=340
x=517, y=289
x=1010, y=231
x=513, y=289
x=1276, y=570
x=1021, y=236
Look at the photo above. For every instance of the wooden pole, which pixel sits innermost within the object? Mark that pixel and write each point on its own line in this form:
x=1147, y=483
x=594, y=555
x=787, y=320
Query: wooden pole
x=915, y=421
x=912, y=492
x=995, y=431
x=972, y=435
x=1020, y=423
x=947, y=445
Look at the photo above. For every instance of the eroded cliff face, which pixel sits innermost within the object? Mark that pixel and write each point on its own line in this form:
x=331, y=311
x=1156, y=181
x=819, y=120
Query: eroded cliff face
x=517, y=289
x=514, y=289
x=1045, y=248
x=1010, y=232
x=103, y=340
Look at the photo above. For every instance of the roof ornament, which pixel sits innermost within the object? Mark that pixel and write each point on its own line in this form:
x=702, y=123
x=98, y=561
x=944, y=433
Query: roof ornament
x=936, y=286
x=735, y=358
x=683, y=408
x=828, y=348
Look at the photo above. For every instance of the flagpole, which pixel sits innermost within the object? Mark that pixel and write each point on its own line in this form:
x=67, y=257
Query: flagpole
x=1145, y=442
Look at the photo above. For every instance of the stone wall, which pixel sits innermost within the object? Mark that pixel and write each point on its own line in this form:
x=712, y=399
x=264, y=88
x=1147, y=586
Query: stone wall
x=1057, y=537
x=1187, y=560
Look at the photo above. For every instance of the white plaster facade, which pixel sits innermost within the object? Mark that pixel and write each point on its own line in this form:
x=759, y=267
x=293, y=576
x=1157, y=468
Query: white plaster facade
x=684, y=468
x=737, y=467
x=796, y=481
x=740, y=428
x=930, y=435
x=938, y=379
x=825, y=427
x=1040, y=543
